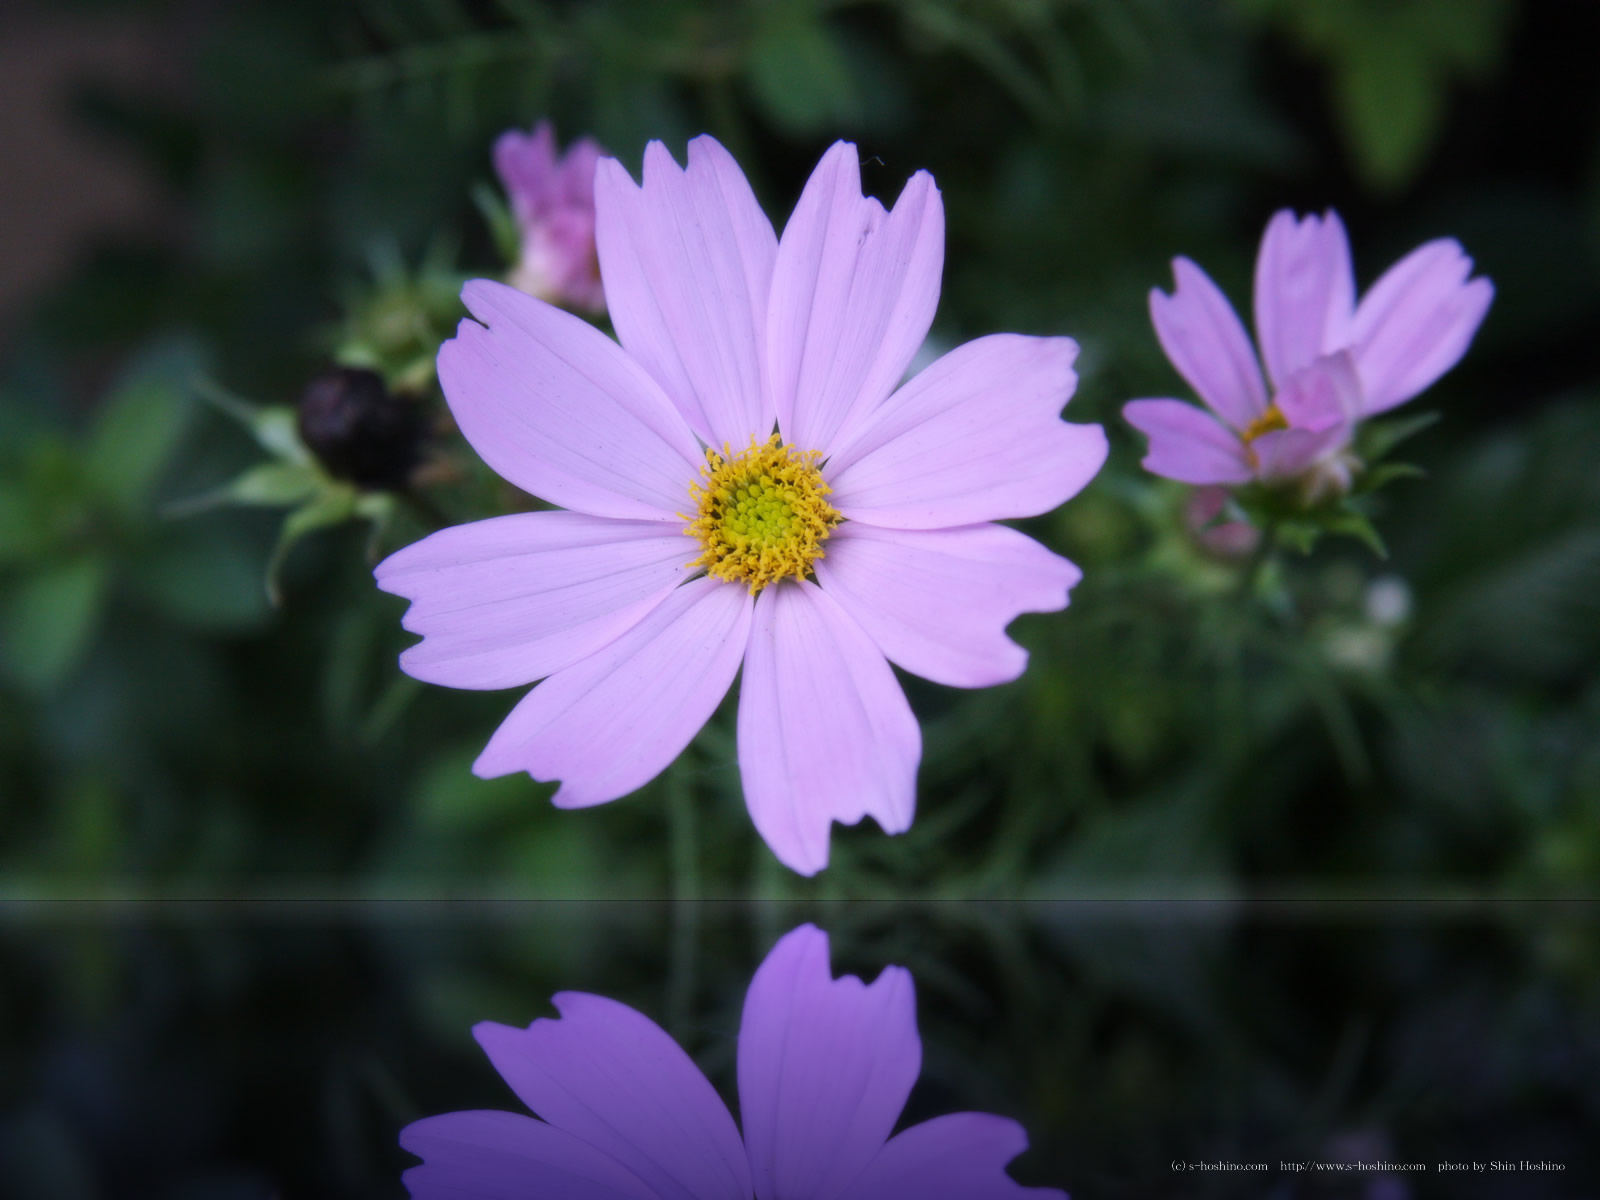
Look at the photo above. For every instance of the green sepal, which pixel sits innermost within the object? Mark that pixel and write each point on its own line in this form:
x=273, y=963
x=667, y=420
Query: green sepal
x=334, y=505
x=1299, y=535
x=1298, y=527
x=496, y=213
x=1376, y=477
x=269, y=485
x=1376, y=439
x=1353, y=523
x=396, y=320
x=275, y=427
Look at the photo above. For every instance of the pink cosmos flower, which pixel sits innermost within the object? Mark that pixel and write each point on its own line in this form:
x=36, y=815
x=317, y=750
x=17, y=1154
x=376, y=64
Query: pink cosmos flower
x=745, y=484
x=553, y=201
x=1330, y=361
x=824, y=1067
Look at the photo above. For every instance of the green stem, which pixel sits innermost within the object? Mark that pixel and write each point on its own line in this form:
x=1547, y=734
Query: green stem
x=1262, y=554
x=681, y=832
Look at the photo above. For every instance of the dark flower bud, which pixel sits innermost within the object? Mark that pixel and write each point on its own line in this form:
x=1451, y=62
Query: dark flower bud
x=359, y=431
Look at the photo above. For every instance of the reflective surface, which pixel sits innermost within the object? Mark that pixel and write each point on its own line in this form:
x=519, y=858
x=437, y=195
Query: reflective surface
x=278, y=1049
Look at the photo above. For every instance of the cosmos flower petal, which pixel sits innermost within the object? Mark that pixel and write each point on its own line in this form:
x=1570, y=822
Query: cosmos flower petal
x=540, y=183
x=509, y=600
x=1304, y=291
x=1416, y=322
x=526, y=164
x=825, y=733
x=498, y=1155
x=1285, y=453
x=853, y=295
x=1206, y=343
x=962, y=1156
x=977, y=436
x=552, y=200
x=1324, y=394
x=612, y=722
x=1187, y=444
x=937, y=602
x=612, y=1077
x=575, y=179
x=825, y=1066
x=557, y=408
x=687, y=261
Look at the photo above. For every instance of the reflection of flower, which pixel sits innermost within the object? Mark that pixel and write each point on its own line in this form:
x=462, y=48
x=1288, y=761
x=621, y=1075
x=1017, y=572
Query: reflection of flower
x=1330, y=361
x=859, y=533
x=825, y=1067
x=552, y=199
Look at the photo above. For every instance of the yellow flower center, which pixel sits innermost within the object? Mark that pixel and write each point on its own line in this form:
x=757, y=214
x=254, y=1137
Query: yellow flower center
x=1268, y=422
x=761, y=513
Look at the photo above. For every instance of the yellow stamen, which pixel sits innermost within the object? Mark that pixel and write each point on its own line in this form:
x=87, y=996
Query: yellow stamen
x=1268, y=422
x=761, y=513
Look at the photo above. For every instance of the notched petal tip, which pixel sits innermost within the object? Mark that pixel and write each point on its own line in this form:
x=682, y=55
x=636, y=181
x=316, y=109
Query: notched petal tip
x=609, y=174
x=659, y=160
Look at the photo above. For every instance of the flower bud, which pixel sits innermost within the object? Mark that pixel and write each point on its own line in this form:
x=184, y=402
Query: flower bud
x=359, y=431
x=552, y=199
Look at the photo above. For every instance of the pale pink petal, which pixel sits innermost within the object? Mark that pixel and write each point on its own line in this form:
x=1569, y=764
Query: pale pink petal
x=526, y=164
x=1206, y=343
x=557, y=261
x=825, y=1066
x=975, y=437
x=612, y=722
x=576, y=176
x=1416, y=322
x=1187, y=444
x=1305, y=291
x=853, y=294
x=506, y=1156
x=687, y=261
x=557, y=408
x=937, y=601
x=962, y=1156
x=610, y=1076
x=1324, y=394
x=1287, y=453
x=505, y=601
x=825, y=733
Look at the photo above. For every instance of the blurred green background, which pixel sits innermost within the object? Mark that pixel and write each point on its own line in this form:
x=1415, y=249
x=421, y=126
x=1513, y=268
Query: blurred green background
x=257, y=190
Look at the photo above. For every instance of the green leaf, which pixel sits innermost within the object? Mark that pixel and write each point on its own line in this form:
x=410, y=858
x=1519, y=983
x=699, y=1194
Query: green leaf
x=1392, y=65
x=800, y=75
x=450, y=799
x=49, y=618
x=203, y=578
x=497, y=216
x=335, y=505
x=1378, y=438
x=22, y=532
x=140, y=424
x=1392, y=104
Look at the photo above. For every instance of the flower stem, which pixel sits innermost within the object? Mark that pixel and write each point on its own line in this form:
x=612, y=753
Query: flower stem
x=685, y=853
